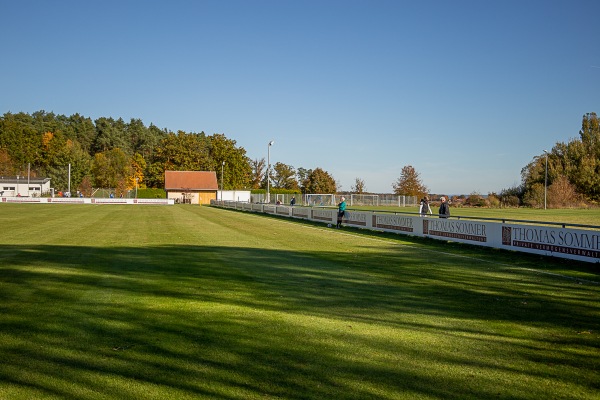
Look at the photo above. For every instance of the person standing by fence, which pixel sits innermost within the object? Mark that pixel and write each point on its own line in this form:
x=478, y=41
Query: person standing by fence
x=341, y=212
x=425, y=209
x=444, y=208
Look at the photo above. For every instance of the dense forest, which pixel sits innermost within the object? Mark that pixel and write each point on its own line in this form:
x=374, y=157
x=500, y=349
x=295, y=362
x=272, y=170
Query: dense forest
x=109, y=153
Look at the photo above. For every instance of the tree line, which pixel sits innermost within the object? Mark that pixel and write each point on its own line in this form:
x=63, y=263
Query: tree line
x=109, y=153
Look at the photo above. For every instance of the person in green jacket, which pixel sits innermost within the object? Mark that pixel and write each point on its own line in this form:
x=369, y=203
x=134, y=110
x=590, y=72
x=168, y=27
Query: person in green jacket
x=341, y=212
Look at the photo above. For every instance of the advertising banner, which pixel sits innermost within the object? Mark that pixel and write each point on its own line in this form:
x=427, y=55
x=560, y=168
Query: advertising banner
x=395, y=223
x=583, y=245
x=323, y=215
x=68, y=200
x=464, y=231
x=300, y=212
x=356, y=219
x=17, y=199
x=283, y=211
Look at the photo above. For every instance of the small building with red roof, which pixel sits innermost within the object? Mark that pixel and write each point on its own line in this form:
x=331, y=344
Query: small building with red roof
x=192, y=187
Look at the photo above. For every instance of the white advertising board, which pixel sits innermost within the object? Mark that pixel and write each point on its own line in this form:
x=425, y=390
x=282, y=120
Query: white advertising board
x=84, y=200
x=576, y=244
x=463, y=231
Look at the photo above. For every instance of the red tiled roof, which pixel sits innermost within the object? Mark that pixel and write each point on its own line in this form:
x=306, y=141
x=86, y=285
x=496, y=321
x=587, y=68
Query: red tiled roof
x=195, y=180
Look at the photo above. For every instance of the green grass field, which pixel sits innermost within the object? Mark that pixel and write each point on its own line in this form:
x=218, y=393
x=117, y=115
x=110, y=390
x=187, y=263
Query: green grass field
x=187, y=302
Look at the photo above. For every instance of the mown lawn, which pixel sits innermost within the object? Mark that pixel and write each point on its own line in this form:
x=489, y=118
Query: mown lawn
x=186, y=302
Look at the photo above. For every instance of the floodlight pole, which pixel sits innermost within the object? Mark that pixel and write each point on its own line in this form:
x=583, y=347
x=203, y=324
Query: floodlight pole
x=546, y=181
x=222, y=165
x=269, y=170
x=136, y=186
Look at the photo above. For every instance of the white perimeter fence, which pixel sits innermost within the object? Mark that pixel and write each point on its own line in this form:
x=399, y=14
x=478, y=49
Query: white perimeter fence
x=333, y=199
x=85, y=200
x=525, y=236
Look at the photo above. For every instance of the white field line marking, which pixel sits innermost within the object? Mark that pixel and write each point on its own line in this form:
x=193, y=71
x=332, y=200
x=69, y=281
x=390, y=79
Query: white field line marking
x=451, y=254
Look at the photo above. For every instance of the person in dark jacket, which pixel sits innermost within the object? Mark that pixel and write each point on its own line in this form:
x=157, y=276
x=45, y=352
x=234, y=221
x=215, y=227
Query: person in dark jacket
x=444, y=208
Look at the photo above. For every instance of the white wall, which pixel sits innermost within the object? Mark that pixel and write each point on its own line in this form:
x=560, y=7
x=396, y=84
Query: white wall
x=84, y=200
x=234, y=195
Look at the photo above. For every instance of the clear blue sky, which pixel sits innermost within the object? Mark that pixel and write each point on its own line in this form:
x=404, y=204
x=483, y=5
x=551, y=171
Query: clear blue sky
x=467, y=92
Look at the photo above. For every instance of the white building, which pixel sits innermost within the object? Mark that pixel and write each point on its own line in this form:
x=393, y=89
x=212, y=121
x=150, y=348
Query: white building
x=23, y=186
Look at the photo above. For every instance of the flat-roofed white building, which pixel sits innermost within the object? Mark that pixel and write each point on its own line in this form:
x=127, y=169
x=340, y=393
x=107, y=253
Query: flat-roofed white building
x=23, y=186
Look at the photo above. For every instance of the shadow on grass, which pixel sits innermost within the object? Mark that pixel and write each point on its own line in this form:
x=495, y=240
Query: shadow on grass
x=229, y=323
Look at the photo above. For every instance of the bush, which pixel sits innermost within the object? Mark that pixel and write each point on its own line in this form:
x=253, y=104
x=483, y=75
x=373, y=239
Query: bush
x=512, y=197
x=475, y=200
x=534, y=197
x=151, y=194
x=510, y=201
x=493, y=200
x=562, y=194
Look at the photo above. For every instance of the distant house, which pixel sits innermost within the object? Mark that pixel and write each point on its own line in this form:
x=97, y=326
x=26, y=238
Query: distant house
x=193, y=187
x=22, y=186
